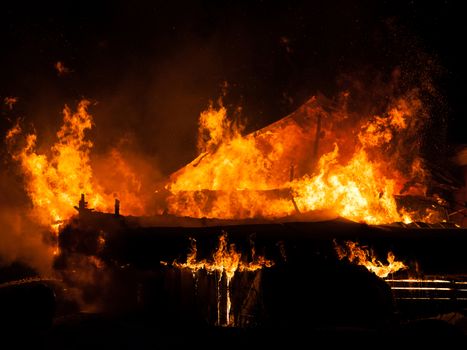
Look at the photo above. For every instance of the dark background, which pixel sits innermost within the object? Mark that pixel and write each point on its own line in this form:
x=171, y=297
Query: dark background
x=152, y=66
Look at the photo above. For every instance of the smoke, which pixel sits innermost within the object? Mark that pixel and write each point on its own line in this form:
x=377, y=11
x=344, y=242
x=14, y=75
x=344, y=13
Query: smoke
x=461, y=196
x=461, y=156
x=128, y=174
x=157, y=106
x=21, y=239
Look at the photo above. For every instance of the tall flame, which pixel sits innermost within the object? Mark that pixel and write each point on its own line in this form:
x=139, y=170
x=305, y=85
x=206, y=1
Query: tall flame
x=361, y=256
x=56, y=181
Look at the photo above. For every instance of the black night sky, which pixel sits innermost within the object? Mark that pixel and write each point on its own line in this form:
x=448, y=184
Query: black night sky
x=152, y=66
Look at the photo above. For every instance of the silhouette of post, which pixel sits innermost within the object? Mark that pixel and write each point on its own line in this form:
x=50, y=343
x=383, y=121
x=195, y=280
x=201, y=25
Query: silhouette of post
x=82, y=203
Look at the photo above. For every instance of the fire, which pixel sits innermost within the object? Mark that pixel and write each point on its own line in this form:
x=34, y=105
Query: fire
x=55, y=182
x=226, y=261
x=360, y=256
x=319, y=158
x=357, y=190
x=314, y=159
x=191, y=262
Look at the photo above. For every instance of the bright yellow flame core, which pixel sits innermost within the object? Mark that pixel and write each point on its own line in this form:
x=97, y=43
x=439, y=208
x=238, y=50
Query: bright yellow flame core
x=356, y=190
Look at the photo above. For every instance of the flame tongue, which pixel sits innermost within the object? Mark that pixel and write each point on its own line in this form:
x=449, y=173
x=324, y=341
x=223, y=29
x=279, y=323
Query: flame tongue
x=226, y=259
x=360, y=256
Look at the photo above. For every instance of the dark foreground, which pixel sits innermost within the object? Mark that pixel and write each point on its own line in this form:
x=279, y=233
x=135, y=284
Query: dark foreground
x=132, y=301
x=83, y=331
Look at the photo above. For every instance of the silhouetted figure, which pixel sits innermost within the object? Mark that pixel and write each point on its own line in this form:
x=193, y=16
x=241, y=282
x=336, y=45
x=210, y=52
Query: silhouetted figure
x=117, y=207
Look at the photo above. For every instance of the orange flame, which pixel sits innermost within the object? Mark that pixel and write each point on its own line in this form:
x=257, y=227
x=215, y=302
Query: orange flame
x=360, y=256
x=357, y=190
x=297, y=165
x=54, y=183
x=226, y=261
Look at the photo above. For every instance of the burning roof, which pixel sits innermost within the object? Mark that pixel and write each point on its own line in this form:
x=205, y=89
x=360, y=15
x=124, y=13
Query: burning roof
x=321, y=157
x=327, y=156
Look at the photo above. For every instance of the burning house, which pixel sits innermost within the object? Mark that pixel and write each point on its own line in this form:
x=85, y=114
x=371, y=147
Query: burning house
x=337, y=219
x=261, y=231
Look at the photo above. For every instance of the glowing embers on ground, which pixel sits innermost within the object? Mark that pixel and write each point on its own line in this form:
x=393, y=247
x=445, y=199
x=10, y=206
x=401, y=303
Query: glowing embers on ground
x=225, y=262
x=313, y=159
x=361, y=256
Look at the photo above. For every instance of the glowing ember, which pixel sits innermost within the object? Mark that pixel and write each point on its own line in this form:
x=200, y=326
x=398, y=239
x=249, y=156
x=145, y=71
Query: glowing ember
x=360, y=256
x=305, y=162
x=226, y=262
